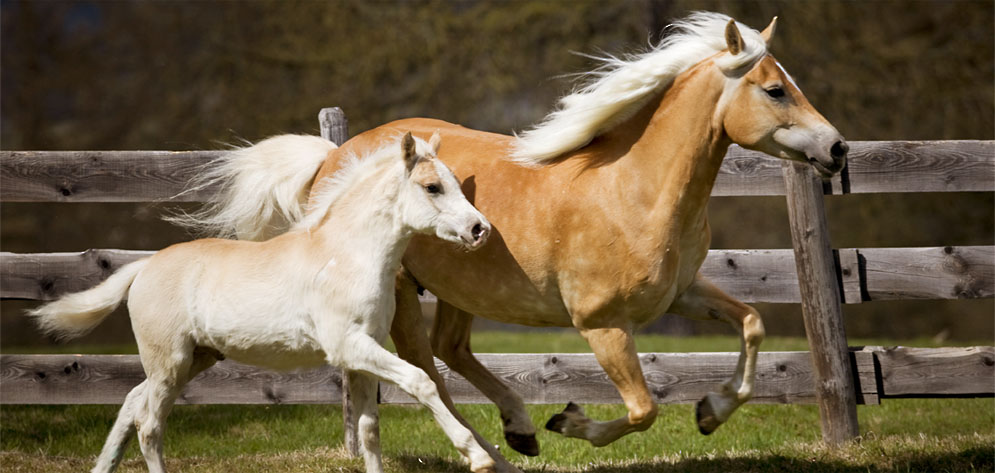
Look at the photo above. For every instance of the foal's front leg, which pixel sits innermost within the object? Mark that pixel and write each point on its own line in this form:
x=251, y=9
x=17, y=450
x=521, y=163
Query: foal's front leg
x=366, y=355
x=363, y=389
x=702, y=300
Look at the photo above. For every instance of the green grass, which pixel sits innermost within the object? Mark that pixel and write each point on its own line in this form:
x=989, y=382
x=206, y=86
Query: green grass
x=896, y=436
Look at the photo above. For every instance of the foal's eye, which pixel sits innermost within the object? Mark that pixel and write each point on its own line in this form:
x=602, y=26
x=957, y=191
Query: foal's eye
x=775, y=92
x=432, y=189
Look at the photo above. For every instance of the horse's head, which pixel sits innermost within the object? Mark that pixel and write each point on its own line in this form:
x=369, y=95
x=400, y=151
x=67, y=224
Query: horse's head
x=767, y=112
x=432, y=201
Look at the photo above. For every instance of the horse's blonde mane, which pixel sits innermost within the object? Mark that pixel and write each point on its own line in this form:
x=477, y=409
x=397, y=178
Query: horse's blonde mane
x=617, y=89
x=380, y=161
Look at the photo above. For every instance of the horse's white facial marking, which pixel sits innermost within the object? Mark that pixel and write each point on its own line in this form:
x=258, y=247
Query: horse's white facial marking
x=786, y=75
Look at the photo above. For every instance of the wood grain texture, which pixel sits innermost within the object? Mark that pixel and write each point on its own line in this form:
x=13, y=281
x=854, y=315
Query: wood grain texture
x=782, y=377
x=952, y=272
x=928, y=372
x=820, y=294
x=102, y=176
x=142, y=176
x=957, y=272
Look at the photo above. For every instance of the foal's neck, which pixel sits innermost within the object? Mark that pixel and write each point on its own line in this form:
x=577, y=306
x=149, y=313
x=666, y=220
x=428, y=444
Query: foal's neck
x=365, y=229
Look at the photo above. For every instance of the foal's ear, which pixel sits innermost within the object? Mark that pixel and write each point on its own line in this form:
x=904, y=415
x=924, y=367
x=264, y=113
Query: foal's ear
x=408, y=151
x=768, y=32
x=733, y=39
x=434, y=142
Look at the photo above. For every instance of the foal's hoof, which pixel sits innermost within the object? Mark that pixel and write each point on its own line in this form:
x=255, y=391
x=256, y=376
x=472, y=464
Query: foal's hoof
x=523, y=443
x=705, y=416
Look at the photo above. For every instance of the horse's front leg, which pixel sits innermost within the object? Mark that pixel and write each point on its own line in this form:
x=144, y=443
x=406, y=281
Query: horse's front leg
x=616, y=352
x=702, y=300
x=363, y=390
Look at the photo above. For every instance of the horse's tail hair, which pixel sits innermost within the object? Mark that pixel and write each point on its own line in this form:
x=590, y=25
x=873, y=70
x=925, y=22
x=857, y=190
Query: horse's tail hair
x=263, y=188
x=75, y=315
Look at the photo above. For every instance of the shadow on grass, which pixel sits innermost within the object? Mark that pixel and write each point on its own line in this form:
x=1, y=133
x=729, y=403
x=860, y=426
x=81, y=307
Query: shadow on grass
x=970, y=459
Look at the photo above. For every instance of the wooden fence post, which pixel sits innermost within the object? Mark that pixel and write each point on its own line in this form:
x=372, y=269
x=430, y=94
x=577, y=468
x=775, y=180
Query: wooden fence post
x=335, y=128
x=820, y=295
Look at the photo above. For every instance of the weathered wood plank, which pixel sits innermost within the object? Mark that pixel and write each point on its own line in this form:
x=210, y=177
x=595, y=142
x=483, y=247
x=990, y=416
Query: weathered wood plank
x=929, y=372
x=750, y=275
x=922, y=166
x=141, y=176
x=101, y=176
x=106, y=379
x=952, y=272
x=820, y=293
x=782, y=377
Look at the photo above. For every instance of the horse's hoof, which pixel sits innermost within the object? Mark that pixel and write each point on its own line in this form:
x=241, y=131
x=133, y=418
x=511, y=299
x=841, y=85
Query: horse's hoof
x=557, y=423
x=523, y=443
x=705, y=417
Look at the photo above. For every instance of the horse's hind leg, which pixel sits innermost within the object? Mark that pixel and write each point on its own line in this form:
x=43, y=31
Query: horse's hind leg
x=702, y=300
x=363, y=390
x=451, y=343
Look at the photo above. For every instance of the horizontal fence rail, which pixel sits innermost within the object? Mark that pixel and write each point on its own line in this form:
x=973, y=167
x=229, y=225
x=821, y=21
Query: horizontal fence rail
x=148, y=176
x=869, y=274
x=782, y=377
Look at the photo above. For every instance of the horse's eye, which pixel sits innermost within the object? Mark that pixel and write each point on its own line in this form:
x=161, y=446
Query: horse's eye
x=432, y=189
x=775, y=92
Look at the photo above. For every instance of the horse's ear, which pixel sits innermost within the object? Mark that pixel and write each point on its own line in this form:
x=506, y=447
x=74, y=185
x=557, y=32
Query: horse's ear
x=768, y=32
x=408, y=150
x=434, y=142
x=733, y=39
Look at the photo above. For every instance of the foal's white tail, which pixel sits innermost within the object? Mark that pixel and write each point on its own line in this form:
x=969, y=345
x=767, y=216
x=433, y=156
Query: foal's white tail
x=263, y=188
x=74, y=315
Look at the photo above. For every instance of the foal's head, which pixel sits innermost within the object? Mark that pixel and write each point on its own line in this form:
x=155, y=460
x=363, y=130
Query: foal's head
x=432, y=201
x=767, y=112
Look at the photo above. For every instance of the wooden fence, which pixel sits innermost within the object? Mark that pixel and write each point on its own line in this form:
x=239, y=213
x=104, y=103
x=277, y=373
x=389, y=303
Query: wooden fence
x=832, y=374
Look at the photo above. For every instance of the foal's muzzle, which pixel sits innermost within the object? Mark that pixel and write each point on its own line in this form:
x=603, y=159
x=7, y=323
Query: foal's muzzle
x=475, y=235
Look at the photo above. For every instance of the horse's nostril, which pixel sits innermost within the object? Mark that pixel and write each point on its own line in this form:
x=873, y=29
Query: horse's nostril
x=839, y=150
x=477, y=231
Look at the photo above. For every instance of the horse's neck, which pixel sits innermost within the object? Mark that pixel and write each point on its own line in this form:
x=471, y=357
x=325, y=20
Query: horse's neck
x=677, y=148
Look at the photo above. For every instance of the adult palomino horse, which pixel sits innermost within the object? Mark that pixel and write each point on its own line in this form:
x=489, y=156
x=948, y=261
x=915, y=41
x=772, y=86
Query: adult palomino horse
x=599, y=215
x=323, y=293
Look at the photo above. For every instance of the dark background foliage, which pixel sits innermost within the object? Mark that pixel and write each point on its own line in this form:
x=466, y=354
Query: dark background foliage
x=194, y=75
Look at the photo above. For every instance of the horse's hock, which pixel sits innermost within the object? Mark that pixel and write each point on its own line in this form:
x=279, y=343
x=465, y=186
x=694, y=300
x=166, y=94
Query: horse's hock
x=820, y=277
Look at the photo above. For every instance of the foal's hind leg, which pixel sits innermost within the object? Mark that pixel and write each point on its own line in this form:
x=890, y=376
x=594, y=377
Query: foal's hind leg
x=124, y=427
x=451, y=343
x=168, y=371
x=702, y=300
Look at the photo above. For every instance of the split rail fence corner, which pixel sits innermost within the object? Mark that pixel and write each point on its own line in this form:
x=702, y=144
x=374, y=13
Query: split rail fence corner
x=834, y=375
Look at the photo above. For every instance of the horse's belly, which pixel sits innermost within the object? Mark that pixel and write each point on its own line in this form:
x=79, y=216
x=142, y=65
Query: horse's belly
x=278, y=342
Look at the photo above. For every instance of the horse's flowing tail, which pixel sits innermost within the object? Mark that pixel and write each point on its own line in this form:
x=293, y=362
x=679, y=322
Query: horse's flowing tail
x=76, y=314
x=263, y=188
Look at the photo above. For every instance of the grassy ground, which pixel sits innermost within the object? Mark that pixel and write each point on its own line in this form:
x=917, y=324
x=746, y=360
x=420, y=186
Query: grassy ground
x=899, y=435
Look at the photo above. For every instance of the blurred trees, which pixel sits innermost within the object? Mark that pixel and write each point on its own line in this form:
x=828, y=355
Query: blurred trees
x=194, y=75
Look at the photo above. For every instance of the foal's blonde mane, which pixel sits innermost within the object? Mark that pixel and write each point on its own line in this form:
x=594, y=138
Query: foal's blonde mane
x=617, y=89
x=385, y=160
